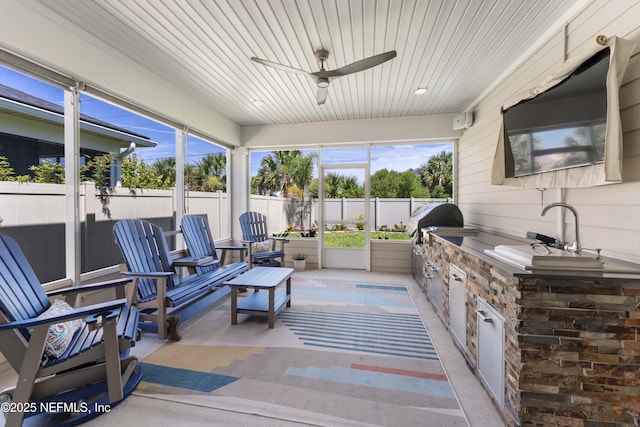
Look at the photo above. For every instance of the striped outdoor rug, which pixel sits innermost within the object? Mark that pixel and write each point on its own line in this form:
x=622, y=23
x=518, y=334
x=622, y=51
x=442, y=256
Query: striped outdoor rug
x=344, y=353
x=388, y=334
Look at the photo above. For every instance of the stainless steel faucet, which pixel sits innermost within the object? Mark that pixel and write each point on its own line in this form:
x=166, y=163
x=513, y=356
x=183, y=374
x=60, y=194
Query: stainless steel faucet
x=574, y=247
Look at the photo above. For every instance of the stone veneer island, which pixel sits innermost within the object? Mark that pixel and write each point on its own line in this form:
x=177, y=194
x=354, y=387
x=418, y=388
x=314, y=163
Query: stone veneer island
x=571, y=344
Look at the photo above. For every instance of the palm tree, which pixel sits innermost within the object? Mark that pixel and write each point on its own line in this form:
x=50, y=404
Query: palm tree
x=438, y=172
x=209, y=174
x=301, y=170
x=332, y=185
x=337, y=186
x=351, y=188
x=269, y=177
x=281, y=169
x=165, y=170
x=214, y=164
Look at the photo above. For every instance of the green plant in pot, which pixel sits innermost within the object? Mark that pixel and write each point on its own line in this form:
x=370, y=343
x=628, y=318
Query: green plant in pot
x=299, y=261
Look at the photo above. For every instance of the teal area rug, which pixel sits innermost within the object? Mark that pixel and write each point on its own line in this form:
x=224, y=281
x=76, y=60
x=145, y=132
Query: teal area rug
x=344, y=353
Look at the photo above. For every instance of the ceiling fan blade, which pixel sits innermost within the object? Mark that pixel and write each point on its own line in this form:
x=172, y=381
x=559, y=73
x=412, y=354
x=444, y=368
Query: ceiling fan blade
x=321, y=95
x=279, y=66
x=361, y=65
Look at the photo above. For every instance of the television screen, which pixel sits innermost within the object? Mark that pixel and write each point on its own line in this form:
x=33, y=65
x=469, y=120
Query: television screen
x=564, y=126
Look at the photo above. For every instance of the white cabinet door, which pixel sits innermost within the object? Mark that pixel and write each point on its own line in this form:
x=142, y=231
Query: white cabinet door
x=434, y=286
x=491, y=349
x=458, y=304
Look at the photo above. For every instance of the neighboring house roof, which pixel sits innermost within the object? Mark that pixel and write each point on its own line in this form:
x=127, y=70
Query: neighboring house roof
x=20, y=98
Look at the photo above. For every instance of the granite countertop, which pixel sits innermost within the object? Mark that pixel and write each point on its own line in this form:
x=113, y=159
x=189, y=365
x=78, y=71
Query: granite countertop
x=476, y=241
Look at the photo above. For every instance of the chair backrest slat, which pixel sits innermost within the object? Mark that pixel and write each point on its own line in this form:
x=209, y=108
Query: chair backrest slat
x=145, y=250
x=21, y=293
x=254, y=226
x=197, y=235
x=21, y=297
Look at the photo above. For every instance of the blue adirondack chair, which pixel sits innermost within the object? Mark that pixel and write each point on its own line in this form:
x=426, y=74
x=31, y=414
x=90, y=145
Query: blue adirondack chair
x=197, y=235
x=84, y=358
x=264, y=250
x=159, y=292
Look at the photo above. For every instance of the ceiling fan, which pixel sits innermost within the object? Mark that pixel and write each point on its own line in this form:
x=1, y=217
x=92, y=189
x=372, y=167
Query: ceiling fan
x=323, y=76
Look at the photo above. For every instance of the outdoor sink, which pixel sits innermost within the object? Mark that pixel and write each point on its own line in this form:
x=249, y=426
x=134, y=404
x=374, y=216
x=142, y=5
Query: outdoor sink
x=537, y=256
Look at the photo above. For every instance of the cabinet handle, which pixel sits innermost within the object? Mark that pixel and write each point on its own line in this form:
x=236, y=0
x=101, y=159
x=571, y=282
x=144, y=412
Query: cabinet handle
x=483, y=316
x=455, y=277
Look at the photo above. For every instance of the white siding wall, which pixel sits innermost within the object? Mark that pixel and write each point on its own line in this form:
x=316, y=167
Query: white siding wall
x=391, y=256
x=387, y=256
x=609, y=215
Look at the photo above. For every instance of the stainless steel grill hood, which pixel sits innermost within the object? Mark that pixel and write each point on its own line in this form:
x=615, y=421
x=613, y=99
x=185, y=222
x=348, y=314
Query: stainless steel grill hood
x=434, y=214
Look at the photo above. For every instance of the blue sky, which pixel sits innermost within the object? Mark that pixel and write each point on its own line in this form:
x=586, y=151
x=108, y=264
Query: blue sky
x=159, y=133
x=392, y=157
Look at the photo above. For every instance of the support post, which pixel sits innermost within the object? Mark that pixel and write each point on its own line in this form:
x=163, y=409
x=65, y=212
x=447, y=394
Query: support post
x=240, y=187
x=180, y=195
x=72, y=184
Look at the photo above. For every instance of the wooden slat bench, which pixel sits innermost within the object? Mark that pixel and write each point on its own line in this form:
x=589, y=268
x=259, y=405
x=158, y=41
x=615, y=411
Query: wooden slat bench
x=159, y=292
x=199, y=239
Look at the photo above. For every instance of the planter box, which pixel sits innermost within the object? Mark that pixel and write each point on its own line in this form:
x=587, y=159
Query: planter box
x=299, y=264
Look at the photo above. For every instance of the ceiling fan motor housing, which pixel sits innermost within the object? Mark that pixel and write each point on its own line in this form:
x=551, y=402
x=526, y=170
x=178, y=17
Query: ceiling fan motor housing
x=321, y=56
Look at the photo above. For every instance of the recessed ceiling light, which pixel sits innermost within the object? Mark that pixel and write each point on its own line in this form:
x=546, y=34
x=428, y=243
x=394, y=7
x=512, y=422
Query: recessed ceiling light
x=420, y=90
x=258, y=102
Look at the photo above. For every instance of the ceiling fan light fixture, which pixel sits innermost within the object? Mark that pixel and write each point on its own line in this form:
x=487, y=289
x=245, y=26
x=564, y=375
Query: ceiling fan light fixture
x=322, y=82
x=420, y=90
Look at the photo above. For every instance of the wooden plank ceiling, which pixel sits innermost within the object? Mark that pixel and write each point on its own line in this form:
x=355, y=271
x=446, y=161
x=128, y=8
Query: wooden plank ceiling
x=454, y=48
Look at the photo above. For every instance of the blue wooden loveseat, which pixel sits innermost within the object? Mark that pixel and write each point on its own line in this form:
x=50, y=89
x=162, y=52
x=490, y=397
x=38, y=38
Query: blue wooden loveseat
x=159, y=292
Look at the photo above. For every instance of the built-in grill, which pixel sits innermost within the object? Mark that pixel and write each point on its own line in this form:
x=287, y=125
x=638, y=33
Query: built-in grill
x=434, y=214
x=443, y=216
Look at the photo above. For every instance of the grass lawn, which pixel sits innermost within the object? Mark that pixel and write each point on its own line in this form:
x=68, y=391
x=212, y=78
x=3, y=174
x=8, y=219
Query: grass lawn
x=355, y=239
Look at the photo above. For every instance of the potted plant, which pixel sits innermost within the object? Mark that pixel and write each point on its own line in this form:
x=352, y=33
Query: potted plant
x=299, y=261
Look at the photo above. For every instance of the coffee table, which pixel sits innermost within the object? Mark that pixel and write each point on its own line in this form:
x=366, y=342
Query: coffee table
x=265, y=300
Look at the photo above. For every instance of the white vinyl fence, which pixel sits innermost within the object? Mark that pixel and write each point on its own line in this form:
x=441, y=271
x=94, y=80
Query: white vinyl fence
x=34, y=214
x=383, y=212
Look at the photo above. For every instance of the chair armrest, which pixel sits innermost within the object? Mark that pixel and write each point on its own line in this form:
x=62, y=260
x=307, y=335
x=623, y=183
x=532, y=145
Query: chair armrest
x=226, y=248
x=149, y=274
x=92, y=319
x=279, y=241
x=232, y=248
x=76, y=313
x=90, y=287
x=190, y=261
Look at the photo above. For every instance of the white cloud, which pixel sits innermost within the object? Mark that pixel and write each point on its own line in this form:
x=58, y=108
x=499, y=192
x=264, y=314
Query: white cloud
x=392, y=157
x=403, y=157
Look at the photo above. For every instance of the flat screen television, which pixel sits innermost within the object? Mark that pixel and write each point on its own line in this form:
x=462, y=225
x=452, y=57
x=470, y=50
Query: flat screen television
x=564, y=126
